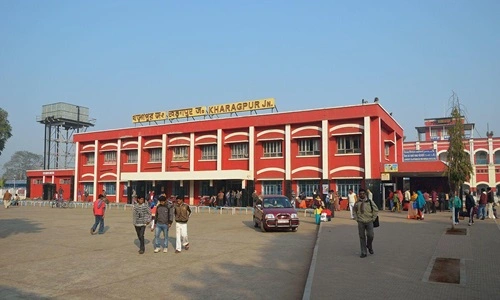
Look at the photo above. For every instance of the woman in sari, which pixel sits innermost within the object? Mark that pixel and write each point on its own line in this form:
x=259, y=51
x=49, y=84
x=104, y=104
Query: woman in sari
x=420, y=205
x=412, y=212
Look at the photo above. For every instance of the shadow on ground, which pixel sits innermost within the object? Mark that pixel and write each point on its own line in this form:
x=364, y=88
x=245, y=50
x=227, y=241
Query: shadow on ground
x=16, y=226
x=13, y=293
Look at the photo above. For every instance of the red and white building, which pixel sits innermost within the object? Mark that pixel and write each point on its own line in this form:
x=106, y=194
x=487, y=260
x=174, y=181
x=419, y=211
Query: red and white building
x=484, y=154
x=335, y=148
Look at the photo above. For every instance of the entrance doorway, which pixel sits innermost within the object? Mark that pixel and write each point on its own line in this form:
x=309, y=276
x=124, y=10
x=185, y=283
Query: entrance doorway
x=386, y=190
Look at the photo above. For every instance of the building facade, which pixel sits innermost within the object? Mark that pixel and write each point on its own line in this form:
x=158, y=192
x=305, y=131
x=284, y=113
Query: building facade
x=484, y=153
x=335, y=148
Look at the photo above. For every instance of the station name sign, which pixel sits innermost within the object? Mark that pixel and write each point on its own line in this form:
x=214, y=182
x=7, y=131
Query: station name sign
x=267, y=103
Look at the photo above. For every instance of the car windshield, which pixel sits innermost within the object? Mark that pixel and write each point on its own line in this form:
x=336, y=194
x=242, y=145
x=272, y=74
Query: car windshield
x=276, y=203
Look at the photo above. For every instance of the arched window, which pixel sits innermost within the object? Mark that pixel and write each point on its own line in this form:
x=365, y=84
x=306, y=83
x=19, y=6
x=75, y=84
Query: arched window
x=497, y=157
x=443, y=156
x=481, y=158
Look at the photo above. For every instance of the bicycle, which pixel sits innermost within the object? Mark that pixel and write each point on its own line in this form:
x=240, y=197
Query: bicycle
x=59, y=203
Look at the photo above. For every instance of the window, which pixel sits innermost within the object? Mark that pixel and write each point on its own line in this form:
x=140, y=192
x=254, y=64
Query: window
x=89, y=187
x=272, y=149
x=110, y=157
x=178, y=190
x=89, y=159
x=110, y=188
x=308, y=147
x=132, y=156
x=444, y=134
x=434, y=132
x=37, y=181
x=271, y=187
x=64, y=181
x=180, y=153
x=387, y=149
x=497, y=158
x=209, y=152
x=344, y=185
x=239, y=150
x=155, y=155
x=348, y=144
x=443, y=156
x=206, y=189
x=481, y=158
x=308, y=187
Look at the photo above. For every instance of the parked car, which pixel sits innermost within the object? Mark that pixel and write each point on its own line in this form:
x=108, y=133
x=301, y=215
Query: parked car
x=275, y=212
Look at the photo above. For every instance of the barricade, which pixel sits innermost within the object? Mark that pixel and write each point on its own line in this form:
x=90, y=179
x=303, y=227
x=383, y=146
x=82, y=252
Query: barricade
x=306, y=211
x=228, y=209
x=200, y=209
x=239, y=210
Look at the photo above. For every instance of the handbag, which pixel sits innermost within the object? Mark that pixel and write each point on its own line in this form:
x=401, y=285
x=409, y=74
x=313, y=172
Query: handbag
x=376, y=223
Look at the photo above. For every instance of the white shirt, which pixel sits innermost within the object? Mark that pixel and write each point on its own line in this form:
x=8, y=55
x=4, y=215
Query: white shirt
x=352, y=198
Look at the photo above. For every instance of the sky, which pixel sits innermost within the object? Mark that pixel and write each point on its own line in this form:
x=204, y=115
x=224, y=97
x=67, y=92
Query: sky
x=121, y=58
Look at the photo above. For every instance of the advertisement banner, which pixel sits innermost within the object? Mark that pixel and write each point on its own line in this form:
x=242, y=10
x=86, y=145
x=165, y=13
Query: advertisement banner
x=419, y=155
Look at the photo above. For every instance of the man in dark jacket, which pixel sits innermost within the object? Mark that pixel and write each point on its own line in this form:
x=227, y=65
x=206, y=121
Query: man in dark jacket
x=470, y=203
x=163, y=219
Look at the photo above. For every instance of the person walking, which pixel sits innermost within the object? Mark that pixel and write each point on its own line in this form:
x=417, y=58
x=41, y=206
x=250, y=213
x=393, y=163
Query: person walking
x=141, y=217
x=470, y=203
x=490, y=203
x=457, y=205
x=483, y=200
x=420, y=205
x=352, y=200
x=182, y=213
x=6, y=199
x=365, y=212
x=163, y=219
x=99, y=209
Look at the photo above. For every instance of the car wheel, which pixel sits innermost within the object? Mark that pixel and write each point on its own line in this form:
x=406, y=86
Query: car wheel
x=294, y=229
x=255, y=223
x=262, y=227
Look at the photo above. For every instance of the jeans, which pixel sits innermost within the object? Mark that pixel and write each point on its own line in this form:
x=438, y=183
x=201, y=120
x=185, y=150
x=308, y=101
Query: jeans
x=158, y=230
x=470, y=212
x=456, y=212
x=99, y=220
x=481, y=211
x=366, y=235
x=140, y=235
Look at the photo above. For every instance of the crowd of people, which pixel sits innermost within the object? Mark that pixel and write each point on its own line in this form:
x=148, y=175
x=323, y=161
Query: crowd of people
x=159, y=213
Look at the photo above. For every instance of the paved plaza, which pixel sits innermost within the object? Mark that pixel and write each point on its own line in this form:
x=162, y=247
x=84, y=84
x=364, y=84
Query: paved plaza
x=48, y=253
x=404, y=254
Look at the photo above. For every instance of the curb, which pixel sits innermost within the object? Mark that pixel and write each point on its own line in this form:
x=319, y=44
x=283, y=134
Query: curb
x=312, y=267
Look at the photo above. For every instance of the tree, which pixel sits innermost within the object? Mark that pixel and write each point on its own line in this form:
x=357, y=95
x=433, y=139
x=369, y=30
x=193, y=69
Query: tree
x=20, y=162
x=5, y=129
x=459, y=167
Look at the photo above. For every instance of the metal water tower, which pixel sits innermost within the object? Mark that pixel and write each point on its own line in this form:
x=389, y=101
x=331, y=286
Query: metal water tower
x=61, y=121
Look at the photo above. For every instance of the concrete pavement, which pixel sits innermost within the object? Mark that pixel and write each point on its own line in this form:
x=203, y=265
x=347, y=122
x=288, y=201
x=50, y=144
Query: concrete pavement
x=48, y=253
x=405, y=251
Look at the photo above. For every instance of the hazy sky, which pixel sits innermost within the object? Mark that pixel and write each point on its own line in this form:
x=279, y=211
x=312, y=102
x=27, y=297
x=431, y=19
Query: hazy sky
x=120, y=58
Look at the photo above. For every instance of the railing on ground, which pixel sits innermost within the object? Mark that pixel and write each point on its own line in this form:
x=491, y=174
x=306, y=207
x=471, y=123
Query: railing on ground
x=307, y=212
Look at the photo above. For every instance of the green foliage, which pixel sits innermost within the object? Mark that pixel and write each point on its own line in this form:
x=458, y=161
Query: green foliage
x=459, y=165
x=5, y=129
x=20, y=162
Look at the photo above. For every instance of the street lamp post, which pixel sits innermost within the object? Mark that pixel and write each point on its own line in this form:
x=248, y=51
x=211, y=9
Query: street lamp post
x=15, y=184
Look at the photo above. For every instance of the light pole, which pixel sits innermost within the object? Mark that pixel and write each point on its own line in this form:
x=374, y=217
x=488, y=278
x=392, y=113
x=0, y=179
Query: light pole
x=15, y=184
